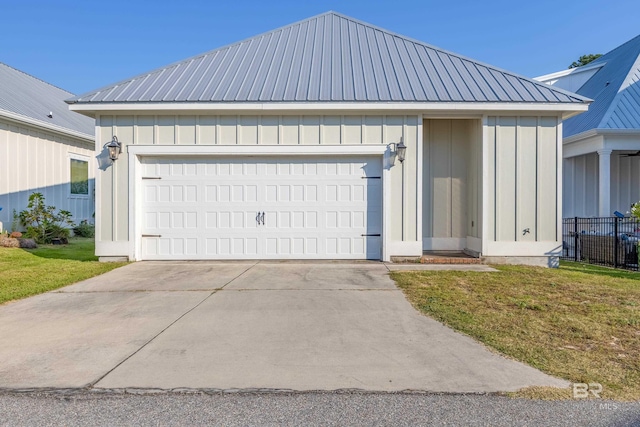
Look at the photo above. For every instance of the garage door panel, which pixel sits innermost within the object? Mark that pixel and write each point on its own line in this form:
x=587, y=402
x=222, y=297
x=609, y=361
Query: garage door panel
x=313, y=208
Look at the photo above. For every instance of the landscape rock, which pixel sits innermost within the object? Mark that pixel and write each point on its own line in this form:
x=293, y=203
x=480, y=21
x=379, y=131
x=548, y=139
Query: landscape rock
x=28, y=243
x=9, y=242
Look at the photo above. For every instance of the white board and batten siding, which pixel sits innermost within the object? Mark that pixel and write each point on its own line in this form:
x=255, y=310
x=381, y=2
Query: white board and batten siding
x=240, y=130
x=34, y=160
x=582, y=189
x=522, y=190
x=253, y=130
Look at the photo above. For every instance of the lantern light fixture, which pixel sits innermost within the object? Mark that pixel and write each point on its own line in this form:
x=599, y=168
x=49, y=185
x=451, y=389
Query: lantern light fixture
x=401, y=150
x=115, y=148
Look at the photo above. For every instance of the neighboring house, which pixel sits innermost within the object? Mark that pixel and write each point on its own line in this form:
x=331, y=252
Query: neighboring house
x=44, y=148
x=602, y=146
x=285, y=145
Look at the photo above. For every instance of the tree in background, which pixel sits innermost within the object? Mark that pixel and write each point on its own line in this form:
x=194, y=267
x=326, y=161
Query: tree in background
x=584, y=60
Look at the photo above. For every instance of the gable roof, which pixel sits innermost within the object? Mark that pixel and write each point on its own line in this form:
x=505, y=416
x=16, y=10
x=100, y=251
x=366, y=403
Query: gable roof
x=328, y=58
x=26, y=98
x=615, y=89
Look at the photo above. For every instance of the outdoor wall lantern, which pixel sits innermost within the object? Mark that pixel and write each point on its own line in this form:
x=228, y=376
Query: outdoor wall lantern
x=115, y=148
x=400, y=150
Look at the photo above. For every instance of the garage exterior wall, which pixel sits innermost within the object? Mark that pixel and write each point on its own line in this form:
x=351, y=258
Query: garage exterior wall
x=34, y=160
x=522, y=191
x=403, y=223
x=512, y=176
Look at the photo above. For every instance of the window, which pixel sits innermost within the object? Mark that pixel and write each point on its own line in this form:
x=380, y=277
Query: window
x=79, y=177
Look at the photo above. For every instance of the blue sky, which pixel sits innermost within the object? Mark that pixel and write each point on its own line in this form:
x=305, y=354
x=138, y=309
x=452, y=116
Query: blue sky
x=82, y=45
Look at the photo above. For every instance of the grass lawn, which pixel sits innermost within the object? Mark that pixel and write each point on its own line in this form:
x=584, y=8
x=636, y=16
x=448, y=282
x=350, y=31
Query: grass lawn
x=26, y=272
x=577, y=322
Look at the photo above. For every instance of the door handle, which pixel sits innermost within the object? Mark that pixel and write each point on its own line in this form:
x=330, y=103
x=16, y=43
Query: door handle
x=258, y=218
x=262, y=218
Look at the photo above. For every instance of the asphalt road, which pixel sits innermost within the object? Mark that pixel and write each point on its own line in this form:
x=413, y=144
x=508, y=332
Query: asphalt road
x=308, y=409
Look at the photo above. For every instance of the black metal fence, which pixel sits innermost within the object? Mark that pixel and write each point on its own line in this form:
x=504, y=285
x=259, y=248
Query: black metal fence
x=608, y=241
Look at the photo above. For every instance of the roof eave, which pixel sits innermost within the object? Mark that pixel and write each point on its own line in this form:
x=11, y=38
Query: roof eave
x=569, y=71
x=595, y=132
x=149, y=107
x=60, y=130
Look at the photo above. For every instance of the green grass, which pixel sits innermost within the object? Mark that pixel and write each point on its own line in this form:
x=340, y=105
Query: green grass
x=27, y=272
x=578, y=322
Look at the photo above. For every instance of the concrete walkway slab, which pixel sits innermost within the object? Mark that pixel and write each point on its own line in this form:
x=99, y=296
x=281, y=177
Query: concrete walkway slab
x=301, y=326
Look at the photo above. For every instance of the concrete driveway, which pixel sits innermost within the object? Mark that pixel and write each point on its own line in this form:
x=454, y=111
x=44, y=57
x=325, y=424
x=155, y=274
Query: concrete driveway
x=243, y=325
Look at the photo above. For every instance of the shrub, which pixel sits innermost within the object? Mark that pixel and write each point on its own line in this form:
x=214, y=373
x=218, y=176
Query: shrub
x=84, y=229
x=43, y=223
x=635, y=210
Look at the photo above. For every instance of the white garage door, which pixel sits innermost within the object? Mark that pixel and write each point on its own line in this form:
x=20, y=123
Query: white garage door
x=261, y=208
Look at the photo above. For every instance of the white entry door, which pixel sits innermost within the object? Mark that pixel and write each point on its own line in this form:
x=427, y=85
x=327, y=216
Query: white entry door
x=261, y=208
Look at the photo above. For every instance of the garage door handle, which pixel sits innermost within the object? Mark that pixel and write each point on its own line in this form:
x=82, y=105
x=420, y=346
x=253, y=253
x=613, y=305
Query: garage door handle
x=151, y=235
x=260, y=218
x=370, y=235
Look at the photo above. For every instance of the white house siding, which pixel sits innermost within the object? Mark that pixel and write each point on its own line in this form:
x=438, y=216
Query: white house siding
x=33, y=160
x=625, y=182
x=451, y=183
x=113, y=225
x=581, y=184
x=522, y=154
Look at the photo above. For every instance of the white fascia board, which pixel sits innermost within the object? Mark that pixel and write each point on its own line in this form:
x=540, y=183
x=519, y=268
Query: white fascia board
x=354, y=107
x=568, y=71
x=583, y=146
x=60, y=130
x=246, y=150
x=605, y=132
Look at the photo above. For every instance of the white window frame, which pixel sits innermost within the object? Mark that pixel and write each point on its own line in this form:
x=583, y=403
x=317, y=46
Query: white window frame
x=81, y=158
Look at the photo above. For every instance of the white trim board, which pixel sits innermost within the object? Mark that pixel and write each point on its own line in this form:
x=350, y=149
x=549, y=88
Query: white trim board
x=266, y=150
x=132, y=247
x=378, y=107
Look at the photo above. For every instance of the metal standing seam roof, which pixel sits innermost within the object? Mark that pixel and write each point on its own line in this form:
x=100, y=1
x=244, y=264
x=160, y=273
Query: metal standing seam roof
x=32, y=98
x=328, y=58
x=615, y=89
